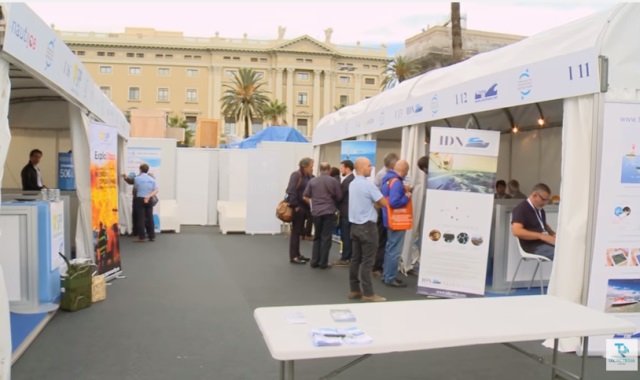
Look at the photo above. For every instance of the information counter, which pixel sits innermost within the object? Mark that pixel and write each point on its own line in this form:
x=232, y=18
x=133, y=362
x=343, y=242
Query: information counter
x=32, y=235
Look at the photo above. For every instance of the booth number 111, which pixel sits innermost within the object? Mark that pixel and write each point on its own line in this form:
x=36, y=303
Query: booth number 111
x=581, y=72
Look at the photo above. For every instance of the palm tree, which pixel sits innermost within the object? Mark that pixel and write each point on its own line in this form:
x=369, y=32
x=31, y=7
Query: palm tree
x=244, y=99
x=398, y=70
x=456, y=33
x=176, y=121
x=275, y=111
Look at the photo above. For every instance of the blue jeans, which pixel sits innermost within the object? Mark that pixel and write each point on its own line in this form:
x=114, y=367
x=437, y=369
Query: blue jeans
x=546, y=250
x=393, y=249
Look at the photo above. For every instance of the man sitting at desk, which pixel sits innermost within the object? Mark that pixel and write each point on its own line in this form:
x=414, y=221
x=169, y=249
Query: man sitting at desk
x=529, y=223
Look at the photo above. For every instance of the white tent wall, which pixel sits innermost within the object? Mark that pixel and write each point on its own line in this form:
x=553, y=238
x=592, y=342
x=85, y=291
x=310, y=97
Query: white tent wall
x=124, y=205
x=79, y=126
x=263, y=190
x=5, y=140
x=233, y=172
x=542, y=146
x=197, y=195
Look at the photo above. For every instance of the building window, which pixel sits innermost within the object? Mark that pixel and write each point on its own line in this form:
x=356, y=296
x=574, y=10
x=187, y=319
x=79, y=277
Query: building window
x=302, y=75
x=345, y=79
x=164, y=71
x=168, y=56
x=299, y=60
x=301, y=126
x=229, y=126
x=140, y=55
x=130, y=55
x=365, y=66
x=227, y=58
x=371, y=81
x=256, y=126
x=105, y=69
x=134, y=93
x=254, y=59
x=80, y=52
x=163, y=94
x=344, y=100
x=303, y=98
x=111, y=54
x=230, y=73
x=308, y=60
x=374, y=66
x=263, y=60
x=106, y=90
x=192, y=95
x=197, y=57
x=236, y=58
x=100, y=54
x=188, y=57
x=192, y=72
x=159, y=55
x=135, y=71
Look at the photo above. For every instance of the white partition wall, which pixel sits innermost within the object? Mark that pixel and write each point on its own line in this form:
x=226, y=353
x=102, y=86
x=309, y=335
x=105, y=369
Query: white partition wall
x=193, y=189
x=233, y=175
x=263, y=190
x=214, y=181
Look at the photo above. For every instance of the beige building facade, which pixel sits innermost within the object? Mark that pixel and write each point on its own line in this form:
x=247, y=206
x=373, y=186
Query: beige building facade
x=144, y=68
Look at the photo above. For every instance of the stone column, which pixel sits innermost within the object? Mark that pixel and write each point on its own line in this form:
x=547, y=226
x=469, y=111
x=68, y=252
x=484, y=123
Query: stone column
x=327, y=92
x=279, y=85
x=316, y=103
x=217, y=94
x=358, y=88
x=290, y=100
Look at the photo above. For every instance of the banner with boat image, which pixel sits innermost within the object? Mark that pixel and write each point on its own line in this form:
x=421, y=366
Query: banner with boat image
x=458, y=211
x=614, y=283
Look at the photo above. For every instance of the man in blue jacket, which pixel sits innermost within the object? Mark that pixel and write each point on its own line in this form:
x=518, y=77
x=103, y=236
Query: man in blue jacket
x=398, y=196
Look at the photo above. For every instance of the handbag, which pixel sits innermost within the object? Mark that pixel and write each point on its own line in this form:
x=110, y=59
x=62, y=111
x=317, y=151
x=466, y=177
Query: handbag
x=153, y=201
x=399, y=219
x=284, y=212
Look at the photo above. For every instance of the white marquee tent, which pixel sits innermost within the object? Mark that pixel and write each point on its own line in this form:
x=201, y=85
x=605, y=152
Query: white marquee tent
x=563, y=75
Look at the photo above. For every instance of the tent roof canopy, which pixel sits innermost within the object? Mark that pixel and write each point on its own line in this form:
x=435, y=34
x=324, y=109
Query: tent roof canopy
x=45, y=73
x=275, y=133
x=526, y=79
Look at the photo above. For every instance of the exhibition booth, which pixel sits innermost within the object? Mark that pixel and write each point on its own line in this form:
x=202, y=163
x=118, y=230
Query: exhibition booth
x=47, y=101
x=559, y=105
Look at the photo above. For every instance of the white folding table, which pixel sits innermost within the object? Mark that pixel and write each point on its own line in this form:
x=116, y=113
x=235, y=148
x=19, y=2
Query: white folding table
x=444, y=323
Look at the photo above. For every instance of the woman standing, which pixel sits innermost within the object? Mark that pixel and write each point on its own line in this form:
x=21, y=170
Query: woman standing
x=301, y=211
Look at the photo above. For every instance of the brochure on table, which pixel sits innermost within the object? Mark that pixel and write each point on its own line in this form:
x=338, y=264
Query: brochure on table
x=459, y=206
x=151, y=157
x=614, y=286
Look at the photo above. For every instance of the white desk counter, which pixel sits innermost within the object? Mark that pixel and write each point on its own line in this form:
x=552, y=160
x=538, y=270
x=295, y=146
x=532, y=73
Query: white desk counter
x=449, y=323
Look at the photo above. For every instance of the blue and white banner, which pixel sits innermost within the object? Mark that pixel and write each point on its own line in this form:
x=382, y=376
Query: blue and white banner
x=614, y=283
x=354, y=149
x=66, y=174
x=457, y=217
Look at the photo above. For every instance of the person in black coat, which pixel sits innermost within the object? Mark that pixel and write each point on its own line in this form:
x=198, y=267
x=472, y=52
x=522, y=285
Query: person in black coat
x=31, y=178
x=301, y=210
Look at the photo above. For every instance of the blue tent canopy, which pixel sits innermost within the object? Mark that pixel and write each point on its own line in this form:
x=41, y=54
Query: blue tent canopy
x=287, y=134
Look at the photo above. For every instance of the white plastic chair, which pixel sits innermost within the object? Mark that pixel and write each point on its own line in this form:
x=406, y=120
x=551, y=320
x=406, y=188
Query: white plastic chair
x=524, y=256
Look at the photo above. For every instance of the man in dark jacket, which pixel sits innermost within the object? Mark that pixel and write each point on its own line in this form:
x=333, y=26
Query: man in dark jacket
x=346, y=169
x=297, y=183
x=31, y=178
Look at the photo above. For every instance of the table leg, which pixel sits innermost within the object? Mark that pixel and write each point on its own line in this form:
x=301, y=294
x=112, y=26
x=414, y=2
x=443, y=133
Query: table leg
x=282, y=370
x=290, y=370
x=585, y=351
x=555, y=359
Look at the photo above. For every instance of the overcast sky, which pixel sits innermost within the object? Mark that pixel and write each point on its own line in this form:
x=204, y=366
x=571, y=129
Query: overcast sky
x=370, y=22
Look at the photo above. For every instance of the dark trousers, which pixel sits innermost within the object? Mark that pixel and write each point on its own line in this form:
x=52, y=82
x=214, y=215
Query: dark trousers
x=345, y=235
x=322, y=239
x=382, y=243
x=134, y=218
x=364, y=239
x=297, y=230
x=144, y=215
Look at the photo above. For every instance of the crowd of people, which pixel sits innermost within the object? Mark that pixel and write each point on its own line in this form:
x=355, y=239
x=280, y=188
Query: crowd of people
x=365, y=212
